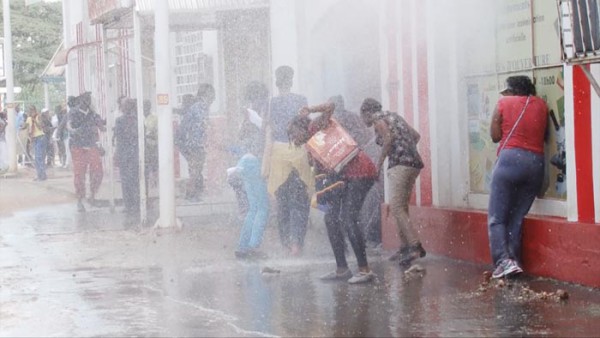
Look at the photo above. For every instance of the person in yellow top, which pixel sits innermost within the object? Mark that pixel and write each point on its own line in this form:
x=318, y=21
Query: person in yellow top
x=35, y=128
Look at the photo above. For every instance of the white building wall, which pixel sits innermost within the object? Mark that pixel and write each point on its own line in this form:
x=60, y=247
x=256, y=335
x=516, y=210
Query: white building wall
x=284, y=37
x=341, y=54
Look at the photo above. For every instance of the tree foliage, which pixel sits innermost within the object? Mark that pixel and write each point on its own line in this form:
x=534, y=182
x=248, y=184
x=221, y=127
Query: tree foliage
x=36, y=33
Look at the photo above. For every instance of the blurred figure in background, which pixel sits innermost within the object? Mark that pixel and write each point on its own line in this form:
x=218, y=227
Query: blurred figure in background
x=48, y=128
x=245, y=178
x=289, y=174
x=250, y=135
x=23, y=151
x=190, y=138
x=84, y=126
x=60, y=134
x=127, y=154
x=34, y=126
x=3, y=147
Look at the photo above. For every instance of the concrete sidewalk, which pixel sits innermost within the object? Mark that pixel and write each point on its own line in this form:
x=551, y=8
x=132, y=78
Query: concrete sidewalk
x=65, y=273
x=68, y=274
x=20, y=191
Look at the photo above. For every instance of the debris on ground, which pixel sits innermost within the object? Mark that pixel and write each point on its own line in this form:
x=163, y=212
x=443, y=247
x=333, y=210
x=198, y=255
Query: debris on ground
x=415, y=271
x=267, y=269
x=523, y=292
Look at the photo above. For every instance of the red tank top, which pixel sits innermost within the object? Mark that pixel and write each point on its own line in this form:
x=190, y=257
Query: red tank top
x=529, y=133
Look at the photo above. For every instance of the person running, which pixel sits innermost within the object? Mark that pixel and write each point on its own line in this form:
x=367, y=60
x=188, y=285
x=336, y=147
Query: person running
x=354, y=181
x=399, y=145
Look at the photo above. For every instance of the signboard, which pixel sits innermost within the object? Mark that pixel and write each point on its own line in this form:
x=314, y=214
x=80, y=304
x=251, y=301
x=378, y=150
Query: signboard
x=162, y=99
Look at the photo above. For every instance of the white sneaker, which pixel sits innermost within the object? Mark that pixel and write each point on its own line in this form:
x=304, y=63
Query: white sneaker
x=362, y=277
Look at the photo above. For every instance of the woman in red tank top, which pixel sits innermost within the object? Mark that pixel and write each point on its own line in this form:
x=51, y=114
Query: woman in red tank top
x=519, y=124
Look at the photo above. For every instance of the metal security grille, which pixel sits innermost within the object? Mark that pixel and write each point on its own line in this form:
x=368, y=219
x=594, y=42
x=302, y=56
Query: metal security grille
x=580, y=30
x=202, y=5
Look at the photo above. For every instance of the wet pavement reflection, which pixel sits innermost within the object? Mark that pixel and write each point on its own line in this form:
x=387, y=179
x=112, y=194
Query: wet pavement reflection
x=69, y=274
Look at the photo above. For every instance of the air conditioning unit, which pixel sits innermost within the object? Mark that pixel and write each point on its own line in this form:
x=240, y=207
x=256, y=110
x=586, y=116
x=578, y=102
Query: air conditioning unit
x=580, y=30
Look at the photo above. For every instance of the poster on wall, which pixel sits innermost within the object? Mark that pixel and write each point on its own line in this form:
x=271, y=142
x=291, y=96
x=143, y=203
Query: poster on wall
x=549, y=86
x=513, y=36
x=482, y=94
x=546, y=33
x=527, y=37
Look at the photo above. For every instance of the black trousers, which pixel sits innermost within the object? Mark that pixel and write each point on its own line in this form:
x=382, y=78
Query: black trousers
x=293, y=208
x=343, y=216
x=130, y=184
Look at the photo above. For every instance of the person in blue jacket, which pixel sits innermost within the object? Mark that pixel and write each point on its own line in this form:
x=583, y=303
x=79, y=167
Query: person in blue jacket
x=248, y=169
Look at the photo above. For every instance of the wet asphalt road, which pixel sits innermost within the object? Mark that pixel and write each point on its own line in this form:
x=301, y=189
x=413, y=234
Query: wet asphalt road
x=93, y=274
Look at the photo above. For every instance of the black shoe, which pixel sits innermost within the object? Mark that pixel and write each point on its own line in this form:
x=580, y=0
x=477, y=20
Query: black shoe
x=413, y=252
x=398, y=254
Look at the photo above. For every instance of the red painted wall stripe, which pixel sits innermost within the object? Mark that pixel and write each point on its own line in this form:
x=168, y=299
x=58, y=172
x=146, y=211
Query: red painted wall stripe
x=423, y=93
x=583, y=145
x=392, y=81
x=407, y=75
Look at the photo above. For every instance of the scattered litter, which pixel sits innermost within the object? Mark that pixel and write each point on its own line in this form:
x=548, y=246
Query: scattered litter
x=267, y=269
x=415, y=271
x=523, y=292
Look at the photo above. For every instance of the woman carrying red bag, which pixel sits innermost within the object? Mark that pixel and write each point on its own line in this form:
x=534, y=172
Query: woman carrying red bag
x=357, y=176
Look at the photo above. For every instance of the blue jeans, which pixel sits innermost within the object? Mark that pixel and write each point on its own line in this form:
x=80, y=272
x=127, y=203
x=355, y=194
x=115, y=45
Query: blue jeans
x=516, y=180
x=293, y=209
x=257, y=216
x=40, y=146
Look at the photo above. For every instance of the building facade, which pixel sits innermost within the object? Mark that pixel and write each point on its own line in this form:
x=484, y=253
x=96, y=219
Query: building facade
x=439, y=63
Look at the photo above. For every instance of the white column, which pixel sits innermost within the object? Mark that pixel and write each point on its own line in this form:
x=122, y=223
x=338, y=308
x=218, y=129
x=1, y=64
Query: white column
x=165, y=116
x=11, y=131
x=139, y=87
x=572, y=214
x=110, y=122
